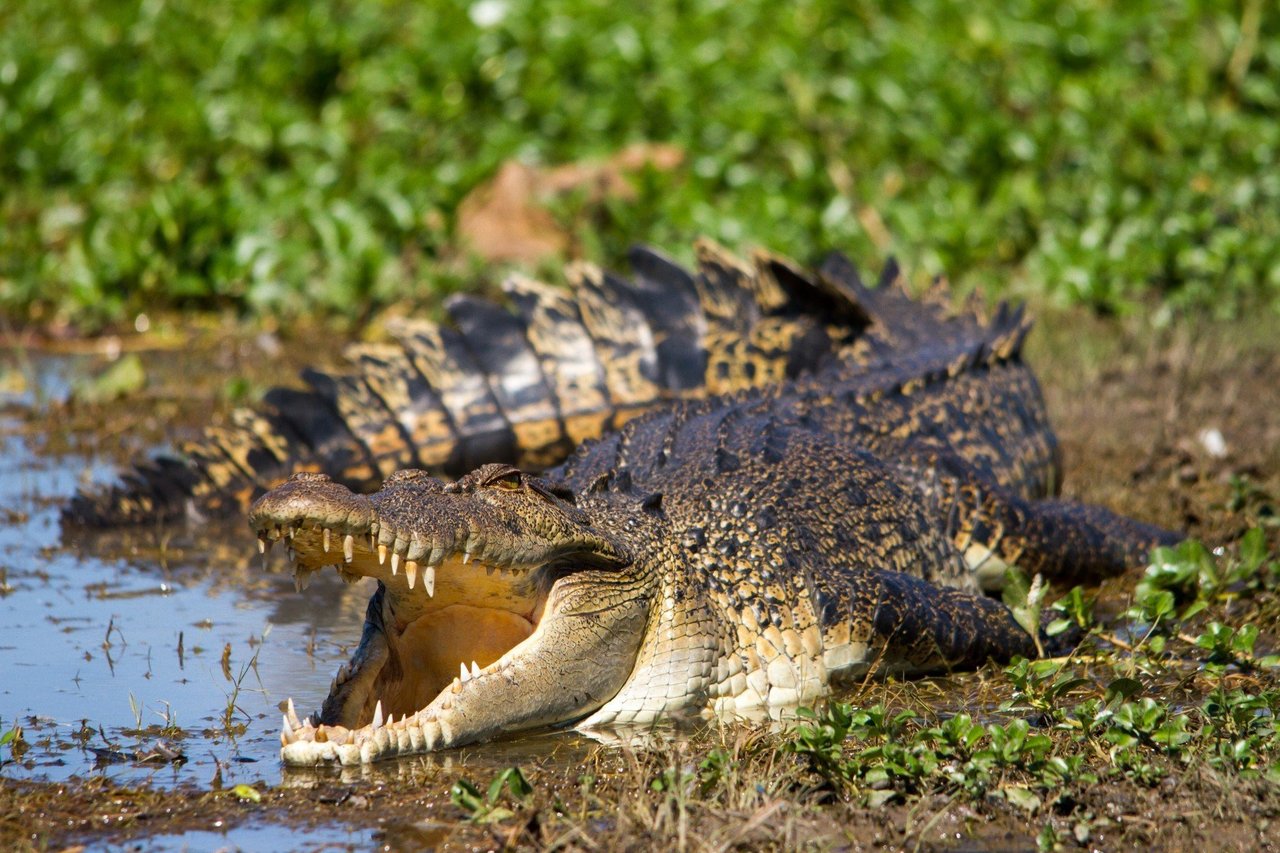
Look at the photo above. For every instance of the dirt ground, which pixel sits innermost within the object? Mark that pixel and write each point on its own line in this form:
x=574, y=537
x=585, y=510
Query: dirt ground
x=1179, y=426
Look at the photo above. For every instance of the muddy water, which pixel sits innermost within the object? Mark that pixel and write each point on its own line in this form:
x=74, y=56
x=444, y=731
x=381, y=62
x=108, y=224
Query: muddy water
x=152, y=656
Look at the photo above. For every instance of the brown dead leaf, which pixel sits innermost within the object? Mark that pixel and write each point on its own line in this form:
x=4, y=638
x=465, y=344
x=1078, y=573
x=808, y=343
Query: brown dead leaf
x=506, y=219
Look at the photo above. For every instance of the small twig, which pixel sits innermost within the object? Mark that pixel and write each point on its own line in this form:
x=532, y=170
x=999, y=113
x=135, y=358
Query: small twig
x=1250, y=21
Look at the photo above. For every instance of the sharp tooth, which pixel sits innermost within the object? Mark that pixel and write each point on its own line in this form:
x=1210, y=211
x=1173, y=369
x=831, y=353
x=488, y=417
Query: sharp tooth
x=411, y=572
x=324, y=535
x=475, y=670
x=262, y=545
x=382, y=553
x=377, y=715
x=466, y=557
x=291, y=531
x=463, y=675
x=395, y=562
x=348, y=547
x=286, y=734
x=291, y=714
x=391, y=719
x=429, y=581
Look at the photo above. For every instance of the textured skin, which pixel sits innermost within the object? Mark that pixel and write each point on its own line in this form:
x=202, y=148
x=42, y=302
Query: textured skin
x=529, y=385
x=735, y=556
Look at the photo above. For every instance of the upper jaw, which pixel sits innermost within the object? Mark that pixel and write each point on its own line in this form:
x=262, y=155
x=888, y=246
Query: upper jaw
x=417, y=522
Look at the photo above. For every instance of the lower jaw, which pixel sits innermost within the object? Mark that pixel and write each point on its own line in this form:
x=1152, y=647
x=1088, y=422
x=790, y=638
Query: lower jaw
x=406, y=668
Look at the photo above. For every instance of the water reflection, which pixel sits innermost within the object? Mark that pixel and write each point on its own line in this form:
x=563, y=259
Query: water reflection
x=145, y=644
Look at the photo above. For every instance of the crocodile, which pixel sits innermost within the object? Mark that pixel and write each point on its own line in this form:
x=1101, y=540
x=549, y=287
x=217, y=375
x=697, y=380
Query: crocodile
x=528, y=385
x=735, y=556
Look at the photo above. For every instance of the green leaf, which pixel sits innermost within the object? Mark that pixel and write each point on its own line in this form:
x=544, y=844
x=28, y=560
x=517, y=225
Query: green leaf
x=1253, y=549
x=1021, y=797
x=1025, y=601
x=1122, y=689
x=247, y=792
x=876, y=799
x=124, y=377
x=466, y=796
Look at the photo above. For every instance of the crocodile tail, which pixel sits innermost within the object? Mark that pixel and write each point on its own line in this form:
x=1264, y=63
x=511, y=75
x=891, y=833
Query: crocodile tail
x=522, y=386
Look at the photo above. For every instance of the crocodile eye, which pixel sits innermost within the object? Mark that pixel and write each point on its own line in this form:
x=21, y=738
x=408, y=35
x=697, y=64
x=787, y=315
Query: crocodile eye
x=508, y=482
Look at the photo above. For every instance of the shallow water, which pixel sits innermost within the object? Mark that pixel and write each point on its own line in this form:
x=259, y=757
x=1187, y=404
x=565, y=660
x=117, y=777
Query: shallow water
x=254, y=838
x=122, y=650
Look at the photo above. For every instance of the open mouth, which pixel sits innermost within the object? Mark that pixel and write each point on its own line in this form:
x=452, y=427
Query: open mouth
x=444, y=616
x=488, y=617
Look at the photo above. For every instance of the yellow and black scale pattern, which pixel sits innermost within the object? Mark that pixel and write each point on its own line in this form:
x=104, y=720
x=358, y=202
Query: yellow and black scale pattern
x=831, y=525
x=528, y=385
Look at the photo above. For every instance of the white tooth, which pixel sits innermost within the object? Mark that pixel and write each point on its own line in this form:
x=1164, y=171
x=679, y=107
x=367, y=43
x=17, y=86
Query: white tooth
x=349, y=547
x=429, y=580
x=324, y=534
x=286, y=734
x=463, y=676
x=382, y=553
x=395, y=562
x=475, y=670
x=284, y=719
x=262, y=546
x=411, y=572
x=291, y=531
x=291, y=714
x=377, y=715
x=466, y=557
x=391, y=719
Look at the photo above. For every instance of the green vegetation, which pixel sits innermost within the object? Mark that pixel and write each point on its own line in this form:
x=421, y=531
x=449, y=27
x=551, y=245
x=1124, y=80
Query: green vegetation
x=1136, y=711
x=484, y=808
x=310, y=157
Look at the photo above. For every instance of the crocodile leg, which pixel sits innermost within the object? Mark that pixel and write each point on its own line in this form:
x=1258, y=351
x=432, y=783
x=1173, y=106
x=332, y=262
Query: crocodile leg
x=904, y=625
x=1065, y=541
x=994, y=527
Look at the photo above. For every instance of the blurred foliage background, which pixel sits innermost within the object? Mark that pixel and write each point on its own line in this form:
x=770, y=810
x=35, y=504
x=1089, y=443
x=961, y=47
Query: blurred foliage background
x=275, y=158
